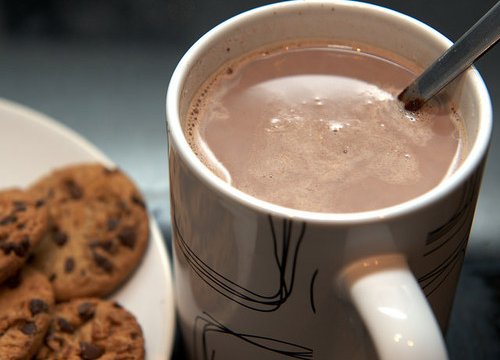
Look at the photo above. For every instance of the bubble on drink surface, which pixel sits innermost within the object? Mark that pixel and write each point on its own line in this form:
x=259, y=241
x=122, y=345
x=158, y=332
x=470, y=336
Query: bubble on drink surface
x=336, y=125
x=280, y=116
x=318, y=101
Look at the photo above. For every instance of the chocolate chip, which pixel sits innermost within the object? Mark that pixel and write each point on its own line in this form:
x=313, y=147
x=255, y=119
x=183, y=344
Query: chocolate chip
x=38, y=306
x=28, y=328
x=117, y=305
x=59, y=237
x=74, y=190
x=40, y=203
x=20, y=249
x=30, y=259
x=103, y=262
x=25, y=245
x=127, y=237
x=5, y=247
x=52, y=277
x=8, y=219
x=106, y=245
x=112, y=223
x=86, y=311
x=89, y=351
x=13, y=281
x=137, y=200
x=69, y=265
x=65, y=326
x=19, y=206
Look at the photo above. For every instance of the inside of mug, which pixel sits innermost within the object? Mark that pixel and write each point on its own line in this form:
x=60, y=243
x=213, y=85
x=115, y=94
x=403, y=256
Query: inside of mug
x=343, y=22
x=346, y=22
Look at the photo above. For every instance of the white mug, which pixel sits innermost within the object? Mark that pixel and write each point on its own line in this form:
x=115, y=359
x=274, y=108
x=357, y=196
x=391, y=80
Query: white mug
x=254, y=280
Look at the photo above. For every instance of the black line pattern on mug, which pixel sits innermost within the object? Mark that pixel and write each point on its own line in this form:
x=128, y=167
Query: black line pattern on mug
x=285, y=250
x=206, y=324
x=311, y=292
x=456, y=229
x=431, y=281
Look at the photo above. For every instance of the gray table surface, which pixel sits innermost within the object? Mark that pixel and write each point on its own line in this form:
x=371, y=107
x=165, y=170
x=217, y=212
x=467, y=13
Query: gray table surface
x=111, y=90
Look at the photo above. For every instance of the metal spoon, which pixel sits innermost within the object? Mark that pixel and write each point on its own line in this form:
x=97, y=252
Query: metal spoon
x=474, y=43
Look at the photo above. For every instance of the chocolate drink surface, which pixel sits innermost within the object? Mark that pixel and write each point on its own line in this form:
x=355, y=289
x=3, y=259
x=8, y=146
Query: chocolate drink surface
x=319, y=128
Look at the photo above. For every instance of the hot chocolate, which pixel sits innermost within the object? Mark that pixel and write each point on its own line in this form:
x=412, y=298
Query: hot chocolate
x=319, y=128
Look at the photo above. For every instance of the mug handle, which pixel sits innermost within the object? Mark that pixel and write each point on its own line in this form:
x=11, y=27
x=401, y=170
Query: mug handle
x=394, y=309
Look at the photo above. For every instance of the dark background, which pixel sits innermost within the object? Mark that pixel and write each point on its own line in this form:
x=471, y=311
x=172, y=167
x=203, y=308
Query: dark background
x=102, y=68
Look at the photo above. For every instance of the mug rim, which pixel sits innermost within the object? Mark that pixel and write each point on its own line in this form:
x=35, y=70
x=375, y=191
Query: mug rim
x=176, y=135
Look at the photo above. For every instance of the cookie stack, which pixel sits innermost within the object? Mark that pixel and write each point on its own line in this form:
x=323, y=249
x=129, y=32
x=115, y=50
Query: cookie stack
x=67, y=242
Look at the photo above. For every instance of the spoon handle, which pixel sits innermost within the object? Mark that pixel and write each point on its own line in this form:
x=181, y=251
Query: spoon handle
x=479, y=38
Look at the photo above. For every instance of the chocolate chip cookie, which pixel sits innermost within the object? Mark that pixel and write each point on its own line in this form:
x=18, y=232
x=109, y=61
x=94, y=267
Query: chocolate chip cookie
x=26, y=305
x=92, y=328
x=23, y=221
x=99, y=230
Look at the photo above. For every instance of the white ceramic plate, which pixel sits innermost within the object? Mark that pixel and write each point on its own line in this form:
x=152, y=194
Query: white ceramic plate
x=31, y=145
